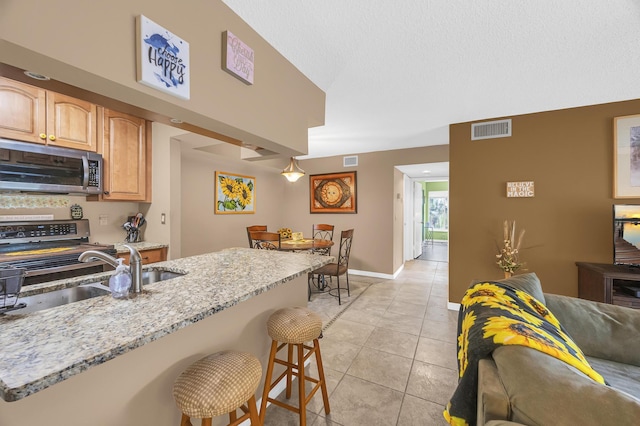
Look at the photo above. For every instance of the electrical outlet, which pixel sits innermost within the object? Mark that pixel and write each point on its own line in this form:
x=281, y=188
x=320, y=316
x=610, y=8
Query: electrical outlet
x=104, y=219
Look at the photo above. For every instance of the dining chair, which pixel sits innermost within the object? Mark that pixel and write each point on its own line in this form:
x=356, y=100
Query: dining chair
x=341, y=267
x=254, y=228
x=265, y=240
x=322, y=231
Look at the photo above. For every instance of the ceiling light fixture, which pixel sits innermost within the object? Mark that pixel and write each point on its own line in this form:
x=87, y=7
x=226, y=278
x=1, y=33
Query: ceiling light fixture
x=36, y=75
x=293, y=172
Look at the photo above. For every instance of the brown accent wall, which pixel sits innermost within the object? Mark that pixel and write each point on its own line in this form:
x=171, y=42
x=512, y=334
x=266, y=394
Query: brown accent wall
x=569, y=155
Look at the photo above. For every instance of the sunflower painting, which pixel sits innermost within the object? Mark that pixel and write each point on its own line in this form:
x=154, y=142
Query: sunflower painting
x=235, y=194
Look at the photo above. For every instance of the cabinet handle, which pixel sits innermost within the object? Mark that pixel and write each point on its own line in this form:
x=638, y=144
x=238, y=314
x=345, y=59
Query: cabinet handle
x=106, y=192
x=43, y=136
x=52, y=137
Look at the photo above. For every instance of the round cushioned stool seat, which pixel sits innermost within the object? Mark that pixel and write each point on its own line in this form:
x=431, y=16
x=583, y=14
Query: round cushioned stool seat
x=294, y=325
x=217, y=384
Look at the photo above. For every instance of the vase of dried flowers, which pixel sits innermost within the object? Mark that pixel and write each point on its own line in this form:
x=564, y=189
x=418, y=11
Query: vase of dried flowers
x=508, y=257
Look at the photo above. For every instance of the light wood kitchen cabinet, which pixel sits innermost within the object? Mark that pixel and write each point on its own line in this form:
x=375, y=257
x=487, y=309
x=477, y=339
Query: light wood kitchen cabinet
x=148, y=256
x=126, y=152
x=32, y=114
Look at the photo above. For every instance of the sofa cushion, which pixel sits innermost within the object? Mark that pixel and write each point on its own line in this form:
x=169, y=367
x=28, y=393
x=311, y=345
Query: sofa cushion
x=543, y=390
x=600, y=330
x=529, y=283
x=623, y=377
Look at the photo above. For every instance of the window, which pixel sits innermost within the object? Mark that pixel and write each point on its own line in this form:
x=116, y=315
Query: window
x=439, y=210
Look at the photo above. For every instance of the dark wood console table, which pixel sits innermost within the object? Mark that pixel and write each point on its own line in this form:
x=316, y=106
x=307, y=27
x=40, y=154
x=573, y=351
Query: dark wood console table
x=601, y=282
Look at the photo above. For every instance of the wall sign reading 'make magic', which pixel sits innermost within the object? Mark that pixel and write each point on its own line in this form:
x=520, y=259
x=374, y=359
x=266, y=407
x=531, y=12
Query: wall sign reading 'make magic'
x=237, y=57
x=163, y=58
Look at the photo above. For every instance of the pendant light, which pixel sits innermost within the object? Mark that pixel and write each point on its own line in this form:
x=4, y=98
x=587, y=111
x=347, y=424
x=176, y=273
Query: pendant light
x=293, y=172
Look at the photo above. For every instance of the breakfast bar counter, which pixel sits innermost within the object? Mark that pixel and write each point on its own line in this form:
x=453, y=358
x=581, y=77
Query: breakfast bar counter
x=221, y=302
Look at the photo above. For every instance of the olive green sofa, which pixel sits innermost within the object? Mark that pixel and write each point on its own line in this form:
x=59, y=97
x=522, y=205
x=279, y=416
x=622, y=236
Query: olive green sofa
x=519, y=385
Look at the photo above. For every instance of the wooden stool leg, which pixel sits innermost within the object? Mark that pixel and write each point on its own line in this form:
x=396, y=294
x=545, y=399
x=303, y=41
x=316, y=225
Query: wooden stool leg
x=253, y=411
x=323, y=386
x=232, y=416
x=289, y=369
x=206, y=422
x=302, y=396
x=267, y=380
x=185, y=421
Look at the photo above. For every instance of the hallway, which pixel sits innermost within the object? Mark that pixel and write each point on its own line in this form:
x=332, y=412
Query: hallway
x=390, y=357
x=437, y=251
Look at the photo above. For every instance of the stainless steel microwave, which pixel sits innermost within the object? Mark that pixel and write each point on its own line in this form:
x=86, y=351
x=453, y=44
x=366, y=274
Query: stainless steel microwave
x=31, y=167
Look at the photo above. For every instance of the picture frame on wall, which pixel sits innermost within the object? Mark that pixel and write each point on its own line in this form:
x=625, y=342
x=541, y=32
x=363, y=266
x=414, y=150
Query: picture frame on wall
x=333, y=193
x=626, y=156
x=235, y=194
x=237, y=58
x=162, y=59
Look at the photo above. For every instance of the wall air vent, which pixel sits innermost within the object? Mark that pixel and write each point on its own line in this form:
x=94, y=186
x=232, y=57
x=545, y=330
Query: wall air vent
x=491, y=129
x=350, y=161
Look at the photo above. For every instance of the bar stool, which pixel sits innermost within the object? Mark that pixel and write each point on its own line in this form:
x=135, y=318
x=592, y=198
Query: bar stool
x=292, y=327
x=219, y=384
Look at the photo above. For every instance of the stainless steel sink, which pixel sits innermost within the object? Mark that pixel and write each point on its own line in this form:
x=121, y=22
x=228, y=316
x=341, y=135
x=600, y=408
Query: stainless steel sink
x=149, y=277
x=51, y=299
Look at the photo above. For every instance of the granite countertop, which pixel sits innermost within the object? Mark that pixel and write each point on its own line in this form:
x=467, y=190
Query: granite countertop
x=143, y=245
x=42, y=348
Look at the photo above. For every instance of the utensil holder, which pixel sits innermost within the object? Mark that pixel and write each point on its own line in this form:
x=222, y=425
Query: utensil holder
x=133, y=235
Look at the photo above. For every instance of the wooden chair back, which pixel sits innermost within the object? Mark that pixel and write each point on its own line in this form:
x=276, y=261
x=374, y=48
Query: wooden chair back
x=265, y=240
x=254, y=228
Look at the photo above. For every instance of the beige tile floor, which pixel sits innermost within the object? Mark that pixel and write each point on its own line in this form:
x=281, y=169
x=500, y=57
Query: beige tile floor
x=389, y=357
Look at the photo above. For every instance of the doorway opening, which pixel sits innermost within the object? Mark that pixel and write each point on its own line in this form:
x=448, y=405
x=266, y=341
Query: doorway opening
x=426, y=211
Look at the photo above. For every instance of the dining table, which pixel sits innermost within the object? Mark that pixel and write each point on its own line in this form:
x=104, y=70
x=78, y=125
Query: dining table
x=309, y=244
x=304, y=244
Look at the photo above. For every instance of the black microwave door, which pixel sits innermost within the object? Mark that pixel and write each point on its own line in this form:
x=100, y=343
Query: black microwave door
x=43, y=169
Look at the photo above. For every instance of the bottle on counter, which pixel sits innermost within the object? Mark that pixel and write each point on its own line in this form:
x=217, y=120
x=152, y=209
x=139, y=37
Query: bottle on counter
x=120, y=281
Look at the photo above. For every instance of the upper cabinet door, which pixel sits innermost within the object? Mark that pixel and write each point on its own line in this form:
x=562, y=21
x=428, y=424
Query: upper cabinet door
x=127, y=158
x=22, y=112
x=71, y=123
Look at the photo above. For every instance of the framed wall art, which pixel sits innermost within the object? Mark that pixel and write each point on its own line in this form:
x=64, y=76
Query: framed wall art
x=333, y=193
x=162, y=59
x=626, y=156
x=235, y=194
x=237, y=58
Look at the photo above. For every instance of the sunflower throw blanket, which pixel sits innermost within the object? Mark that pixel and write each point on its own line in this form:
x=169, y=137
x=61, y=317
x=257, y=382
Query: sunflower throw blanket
x=493, y=314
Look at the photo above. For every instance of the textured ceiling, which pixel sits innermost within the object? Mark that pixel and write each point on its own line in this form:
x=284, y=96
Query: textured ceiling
x=397, y=73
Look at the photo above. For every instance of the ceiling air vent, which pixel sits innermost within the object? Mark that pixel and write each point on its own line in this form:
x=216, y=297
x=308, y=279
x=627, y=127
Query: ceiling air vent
x=491, y=129
x=350, y=161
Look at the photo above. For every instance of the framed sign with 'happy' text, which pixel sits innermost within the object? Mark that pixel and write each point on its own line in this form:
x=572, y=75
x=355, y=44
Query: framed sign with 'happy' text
x=162, y=58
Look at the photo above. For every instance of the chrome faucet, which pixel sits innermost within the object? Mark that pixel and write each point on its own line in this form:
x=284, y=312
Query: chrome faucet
x=135, y=264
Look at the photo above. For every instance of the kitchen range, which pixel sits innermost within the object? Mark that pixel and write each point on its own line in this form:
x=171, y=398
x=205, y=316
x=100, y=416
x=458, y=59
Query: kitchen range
x=48, y=250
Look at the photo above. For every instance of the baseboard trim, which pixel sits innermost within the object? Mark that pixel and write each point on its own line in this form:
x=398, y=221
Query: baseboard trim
x=453, y=306
x=377, y=274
